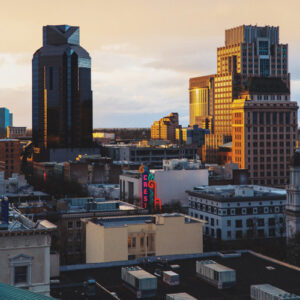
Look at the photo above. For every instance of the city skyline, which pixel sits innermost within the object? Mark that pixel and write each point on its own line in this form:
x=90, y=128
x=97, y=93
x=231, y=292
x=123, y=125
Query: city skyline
x=140, y=68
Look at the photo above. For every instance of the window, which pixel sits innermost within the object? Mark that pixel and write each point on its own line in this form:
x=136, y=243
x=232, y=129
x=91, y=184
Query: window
x=70, y=225
x=239, y=234
x=20, y=270
x=261, y=222
x=238, y=223
x=78, y=224
x=228, y=223
x=142, y=241
x=21, y=274
x=271, y=221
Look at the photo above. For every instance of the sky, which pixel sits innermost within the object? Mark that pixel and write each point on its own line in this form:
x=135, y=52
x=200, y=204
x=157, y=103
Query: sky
x=143, y=51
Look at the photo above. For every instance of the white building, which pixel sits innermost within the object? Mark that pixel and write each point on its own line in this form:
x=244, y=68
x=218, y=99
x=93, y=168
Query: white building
x=293, y=198
x=172, y=182
x=237, y=212
x=25, y=259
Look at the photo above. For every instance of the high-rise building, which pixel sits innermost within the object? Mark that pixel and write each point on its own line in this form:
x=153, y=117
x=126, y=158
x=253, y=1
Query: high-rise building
x=6, y=119
x=62, y=115
x=165, y=128
x=253, y=67
x=202, y=101
x=264, y=128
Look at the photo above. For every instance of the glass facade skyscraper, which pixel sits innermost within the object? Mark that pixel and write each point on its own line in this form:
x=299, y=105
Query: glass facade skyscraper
x=6, y=119
x=62, y=109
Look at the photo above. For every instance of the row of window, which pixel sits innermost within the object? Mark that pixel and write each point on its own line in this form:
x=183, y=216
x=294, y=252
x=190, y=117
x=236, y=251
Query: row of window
x=236, y=211
x=76, y=224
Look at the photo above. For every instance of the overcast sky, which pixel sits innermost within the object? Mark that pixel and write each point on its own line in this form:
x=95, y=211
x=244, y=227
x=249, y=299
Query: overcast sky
x=143, y=51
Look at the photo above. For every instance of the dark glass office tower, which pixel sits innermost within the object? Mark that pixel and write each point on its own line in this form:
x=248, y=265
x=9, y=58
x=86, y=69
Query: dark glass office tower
x=62, y=107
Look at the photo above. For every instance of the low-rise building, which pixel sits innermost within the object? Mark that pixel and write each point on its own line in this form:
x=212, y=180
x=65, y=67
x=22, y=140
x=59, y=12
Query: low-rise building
x=177, y=176
x=71, y=236
x=237, y=212
x=15, y=132
x=25, y=251
x=125, y=238
x=191, y=135
x=151, y=156
x=10, y=154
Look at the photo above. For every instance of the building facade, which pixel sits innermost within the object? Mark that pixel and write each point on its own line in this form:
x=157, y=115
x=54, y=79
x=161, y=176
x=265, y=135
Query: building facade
x=10, y=155
x=165, y=128
x=6, y=119
x=239, y=212
x=264, y=131
x=125, y=238
x=191, y=135
x=249, y=51
x=71, y=235
x=293, y=198
x=151, y=156
x=201, y=91
x=180, y=175
x=61, y=91
x=15, y=132
x=25, y=253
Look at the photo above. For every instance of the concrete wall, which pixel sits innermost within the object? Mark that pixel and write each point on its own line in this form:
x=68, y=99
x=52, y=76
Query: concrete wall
x=177, y=237
x=35, y=246
x=171, y=235
x=171, y=185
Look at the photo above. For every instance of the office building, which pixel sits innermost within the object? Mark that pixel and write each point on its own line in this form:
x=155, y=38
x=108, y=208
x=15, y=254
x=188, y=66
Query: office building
x=250, y=54
x=126, y=238
x=292, y=209
x=165, y=128
x=264, y=129
x=25, y=259
x=239, y=212
x=10, y=155
x=202, y=101
x=6, y=119
x=61, y=91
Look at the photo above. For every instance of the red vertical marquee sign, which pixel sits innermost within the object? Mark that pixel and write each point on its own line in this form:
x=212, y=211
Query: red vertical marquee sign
x=149, y=199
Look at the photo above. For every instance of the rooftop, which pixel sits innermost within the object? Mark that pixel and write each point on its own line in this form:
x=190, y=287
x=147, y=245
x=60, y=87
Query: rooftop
x=251, y=268
x=136, y=220
x=12, y=293
x=19, y=223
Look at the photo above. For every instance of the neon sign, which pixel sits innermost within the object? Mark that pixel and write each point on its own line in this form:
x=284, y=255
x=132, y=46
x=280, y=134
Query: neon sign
x=149, y=199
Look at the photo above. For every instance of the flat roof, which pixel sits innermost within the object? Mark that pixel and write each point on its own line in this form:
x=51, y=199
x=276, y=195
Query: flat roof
x=250, y=270
x=227, y=193
x=123, y=221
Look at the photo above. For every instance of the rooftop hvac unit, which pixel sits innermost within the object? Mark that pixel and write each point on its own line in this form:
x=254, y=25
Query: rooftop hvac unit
x=216, y=274
x=269, y=292
x=171, y=278
x=179, y=296
x=140, y=282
